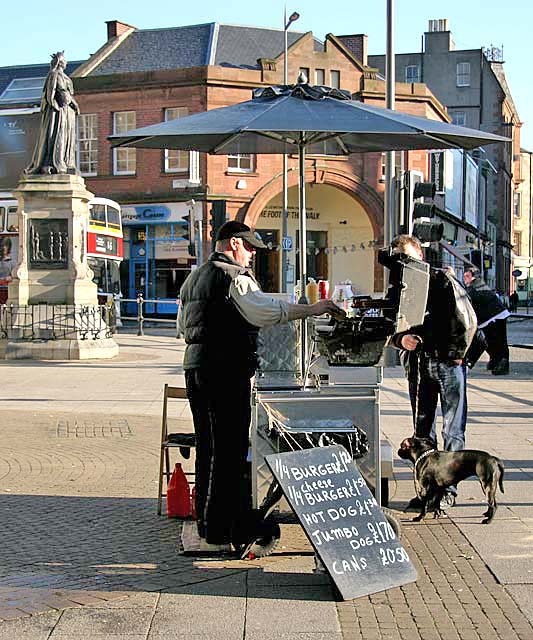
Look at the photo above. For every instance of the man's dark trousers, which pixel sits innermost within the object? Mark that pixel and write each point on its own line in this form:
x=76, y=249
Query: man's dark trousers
x=220, y=404
x=496, y=335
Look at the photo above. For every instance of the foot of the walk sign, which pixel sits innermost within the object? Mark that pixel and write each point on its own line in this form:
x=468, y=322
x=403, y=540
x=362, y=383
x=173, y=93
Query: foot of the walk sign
x=342, y=520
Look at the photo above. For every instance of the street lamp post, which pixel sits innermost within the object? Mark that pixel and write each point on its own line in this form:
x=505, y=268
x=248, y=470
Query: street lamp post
x=284, y=215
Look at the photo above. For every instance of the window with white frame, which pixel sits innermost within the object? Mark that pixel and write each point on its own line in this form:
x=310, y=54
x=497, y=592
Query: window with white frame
x=241, y=162
x=517, y=205
x=320, y=76
x=459, y=118
x=463, y=74
x=88, y=144
x=335, y=79
x=124, y=160
x=176, y=161
x=412, y=73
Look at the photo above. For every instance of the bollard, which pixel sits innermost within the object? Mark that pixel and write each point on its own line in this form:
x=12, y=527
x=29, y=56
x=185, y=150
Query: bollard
x=140, y=317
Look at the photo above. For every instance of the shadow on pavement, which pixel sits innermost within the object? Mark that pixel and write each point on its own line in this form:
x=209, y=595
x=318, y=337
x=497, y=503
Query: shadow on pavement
x=119, y=544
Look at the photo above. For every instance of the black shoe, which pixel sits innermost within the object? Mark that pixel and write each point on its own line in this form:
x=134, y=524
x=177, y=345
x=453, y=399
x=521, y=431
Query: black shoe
x=502, y=368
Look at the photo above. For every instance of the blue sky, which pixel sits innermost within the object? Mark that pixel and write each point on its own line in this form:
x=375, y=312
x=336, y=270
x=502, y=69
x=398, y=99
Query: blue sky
x=36, y=28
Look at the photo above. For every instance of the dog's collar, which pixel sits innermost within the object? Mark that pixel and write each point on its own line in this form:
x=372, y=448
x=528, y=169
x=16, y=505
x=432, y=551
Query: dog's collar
x=423, y=457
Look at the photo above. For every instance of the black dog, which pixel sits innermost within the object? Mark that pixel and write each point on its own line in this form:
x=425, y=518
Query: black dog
x=435, y=471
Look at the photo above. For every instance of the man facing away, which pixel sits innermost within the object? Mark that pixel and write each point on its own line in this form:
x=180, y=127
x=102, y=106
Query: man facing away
x=222, y=308
x=434, y=355
x=492, y=317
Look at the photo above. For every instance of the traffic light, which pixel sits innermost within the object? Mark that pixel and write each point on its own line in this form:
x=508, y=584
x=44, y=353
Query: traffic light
x=414, y=189
x=217, y=219
x=420, y=214
x=186, y=231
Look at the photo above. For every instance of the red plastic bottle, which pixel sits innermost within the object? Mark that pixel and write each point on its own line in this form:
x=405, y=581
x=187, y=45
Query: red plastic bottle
x=193, y=503
x=178, y=494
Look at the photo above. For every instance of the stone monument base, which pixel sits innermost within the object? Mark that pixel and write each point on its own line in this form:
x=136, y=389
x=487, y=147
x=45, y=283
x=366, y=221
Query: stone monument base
x=75, y=349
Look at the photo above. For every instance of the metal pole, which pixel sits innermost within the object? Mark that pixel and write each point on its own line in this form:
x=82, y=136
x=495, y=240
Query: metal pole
x=285, y=204
x=389, y=224
x=303, y=251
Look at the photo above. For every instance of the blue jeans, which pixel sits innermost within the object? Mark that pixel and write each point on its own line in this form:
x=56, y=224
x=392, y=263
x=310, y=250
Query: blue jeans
x=431, y=378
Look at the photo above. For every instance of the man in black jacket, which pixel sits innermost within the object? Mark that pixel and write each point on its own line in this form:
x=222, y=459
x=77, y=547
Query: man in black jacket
x=221, y=311
x=492, y=317
x=434, y=356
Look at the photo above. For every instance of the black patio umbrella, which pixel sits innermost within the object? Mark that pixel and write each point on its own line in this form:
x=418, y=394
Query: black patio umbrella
x=297, y=119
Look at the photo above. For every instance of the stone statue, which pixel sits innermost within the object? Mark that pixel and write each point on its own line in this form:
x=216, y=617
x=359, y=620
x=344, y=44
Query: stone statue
x=55, y=150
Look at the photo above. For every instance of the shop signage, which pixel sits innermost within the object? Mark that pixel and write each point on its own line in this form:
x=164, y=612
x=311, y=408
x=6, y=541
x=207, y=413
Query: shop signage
x=154, y=213
x=292, y=213
x=517, y=273
x=342, y=520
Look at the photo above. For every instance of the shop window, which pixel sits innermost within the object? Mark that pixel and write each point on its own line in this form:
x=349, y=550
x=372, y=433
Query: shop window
x=176, y=161
x=317, y=259
x=241, y=162
x=88, y=144
x=124, y=160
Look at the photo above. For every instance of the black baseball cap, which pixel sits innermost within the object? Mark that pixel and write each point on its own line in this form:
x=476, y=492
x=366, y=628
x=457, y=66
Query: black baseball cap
x=236, y=229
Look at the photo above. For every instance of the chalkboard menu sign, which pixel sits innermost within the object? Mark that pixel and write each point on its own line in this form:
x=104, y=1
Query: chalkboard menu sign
x=342, y=520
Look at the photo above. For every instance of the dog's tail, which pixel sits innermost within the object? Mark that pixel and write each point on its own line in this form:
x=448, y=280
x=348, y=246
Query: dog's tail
x=500, y=479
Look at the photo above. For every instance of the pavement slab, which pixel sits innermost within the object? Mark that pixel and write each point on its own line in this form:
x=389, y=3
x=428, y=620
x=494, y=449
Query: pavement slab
x=84, y=554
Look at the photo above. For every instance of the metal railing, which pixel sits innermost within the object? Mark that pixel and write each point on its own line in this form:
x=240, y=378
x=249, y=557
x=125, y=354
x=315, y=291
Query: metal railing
x=56, y=321
x=140, y=317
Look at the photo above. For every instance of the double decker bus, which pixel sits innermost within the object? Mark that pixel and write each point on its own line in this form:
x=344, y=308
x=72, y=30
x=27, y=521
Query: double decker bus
x=9, y=244
x=104, y=245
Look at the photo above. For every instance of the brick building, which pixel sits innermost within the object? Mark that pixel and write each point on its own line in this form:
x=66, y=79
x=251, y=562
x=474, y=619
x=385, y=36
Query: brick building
x=140, y=77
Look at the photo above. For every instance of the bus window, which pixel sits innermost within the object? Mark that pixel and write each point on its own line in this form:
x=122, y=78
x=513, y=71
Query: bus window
x=98, y=268
x=113, y=218
x=12, y=219
x=97, y=214
x=2, y=219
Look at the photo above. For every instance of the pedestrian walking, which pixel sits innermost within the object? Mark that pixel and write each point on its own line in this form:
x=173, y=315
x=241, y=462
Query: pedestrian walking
x=433, y=354
x=492, y=317
x=222, y=308
x=513, y=301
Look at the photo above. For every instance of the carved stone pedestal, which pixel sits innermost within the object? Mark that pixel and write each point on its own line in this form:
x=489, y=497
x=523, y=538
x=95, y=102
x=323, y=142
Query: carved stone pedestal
x=53, y=273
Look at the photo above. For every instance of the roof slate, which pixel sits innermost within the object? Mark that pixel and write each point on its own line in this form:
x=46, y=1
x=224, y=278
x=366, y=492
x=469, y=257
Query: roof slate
x=242, y=46
x=152, y=49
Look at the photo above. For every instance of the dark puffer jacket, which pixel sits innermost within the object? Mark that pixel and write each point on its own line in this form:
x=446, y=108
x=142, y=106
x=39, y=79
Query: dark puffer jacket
x=215, y=332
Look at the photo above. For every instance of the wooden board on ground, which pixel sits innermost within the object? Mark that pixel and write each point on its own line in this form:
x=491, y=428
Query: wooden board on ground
x=342, y=520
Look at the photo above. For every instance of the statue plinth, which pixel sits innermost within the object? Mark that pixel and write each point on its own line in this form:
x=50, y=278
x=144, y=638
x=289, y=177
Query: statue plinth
x=53, y=221
x=52, y=308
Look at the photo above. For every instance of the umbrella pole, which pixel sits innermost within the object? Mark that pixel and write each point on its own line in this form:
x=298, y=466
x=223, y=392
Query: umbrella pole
x=303, y=250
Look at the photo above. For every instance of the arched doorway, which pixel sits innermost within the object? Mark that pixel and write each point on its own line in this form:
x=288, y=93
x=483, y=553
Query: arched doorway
x=343, y=231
